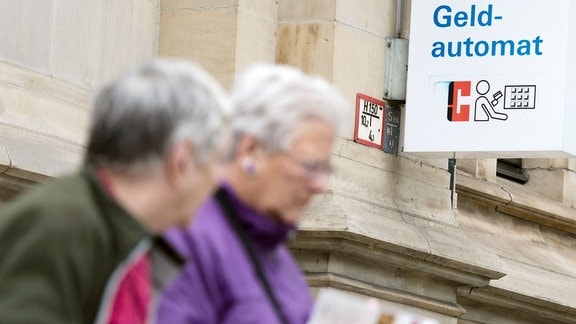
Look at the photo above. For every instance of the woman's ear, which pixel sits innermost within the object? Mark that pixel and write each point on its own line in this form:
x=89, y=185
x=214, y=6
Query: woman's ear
x=178, y=163
x=247, y=146
x=246, y=154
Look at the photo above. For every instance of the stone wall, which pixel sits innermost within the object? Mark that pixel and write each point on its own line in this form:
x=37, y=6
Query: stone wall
x=53, y=54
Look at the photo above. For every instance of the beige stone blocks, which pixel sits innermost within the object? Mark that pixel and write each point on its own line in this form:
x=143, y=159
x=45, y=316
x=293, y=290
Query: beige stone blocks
x=81, y=42
x=26, y=31
x=312, y=10
x=306, y=35
x=371, y=189
x=344, y=41
x=54, y=54
x=306, y=46
x=256, y=37
x=484, y=169
x=223, y=36
x=43, y=122
x=370, y=16
x=202, y=31
x=538, y=259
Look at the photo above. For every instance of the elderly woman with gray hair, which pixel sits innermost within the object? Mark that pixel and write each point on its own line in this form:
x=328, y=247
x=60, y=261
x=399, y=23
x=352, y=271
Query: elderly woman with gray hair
x=240, y=271
x=77, y=249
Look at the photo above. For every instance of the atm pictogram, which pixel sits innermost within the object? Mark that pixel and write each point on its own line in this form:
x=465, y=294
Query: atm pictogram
x=477, y=100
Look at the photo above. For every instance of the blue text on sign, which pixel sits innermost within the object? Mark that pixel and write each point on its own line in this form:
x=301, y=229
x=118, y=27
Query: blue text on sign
x=443, y=17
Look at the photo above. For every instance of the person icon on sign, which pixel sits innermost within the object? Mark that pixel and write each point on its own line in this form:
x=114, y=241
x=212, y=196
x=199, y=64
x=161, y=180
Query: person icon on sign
x=484, y=108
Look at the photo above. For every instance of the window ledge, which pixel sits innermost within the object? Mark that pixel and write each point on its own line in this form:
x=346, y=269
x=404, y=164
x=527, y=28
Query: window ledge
x=519, y=203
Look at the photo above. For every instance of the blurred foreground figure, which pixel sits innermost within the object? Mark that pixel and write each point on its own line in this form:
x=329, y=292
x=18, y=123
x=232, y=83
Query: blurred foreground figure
x=76, y=249
x=239, y=270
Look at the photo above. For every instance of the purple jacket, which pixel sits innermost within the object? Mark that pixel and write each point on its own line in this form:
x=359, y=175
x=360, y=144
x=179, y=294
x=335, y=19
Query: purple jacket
x=219, y=284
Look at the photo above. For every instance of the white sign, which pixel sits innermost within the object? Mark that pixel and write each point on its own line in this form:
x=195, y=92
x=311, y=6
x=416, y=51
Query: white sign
x=489, y=79
x=369, y=127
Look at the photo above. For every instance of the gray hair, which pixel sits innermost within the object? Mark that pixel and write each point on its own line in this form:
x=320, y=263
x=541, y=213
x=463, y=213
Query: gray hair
x=137, y=118
x=271, y=101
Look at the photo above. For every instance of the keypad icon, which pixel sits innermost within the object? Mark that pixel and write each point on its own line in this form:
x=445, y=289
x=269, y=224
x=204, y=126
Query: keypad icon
x=520, y=97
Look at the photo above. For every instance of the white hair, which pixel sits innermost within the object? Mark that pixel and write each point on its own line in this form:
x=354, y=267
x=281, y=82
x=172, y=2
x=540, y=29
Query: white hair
x=138, y=117
x=271, y=101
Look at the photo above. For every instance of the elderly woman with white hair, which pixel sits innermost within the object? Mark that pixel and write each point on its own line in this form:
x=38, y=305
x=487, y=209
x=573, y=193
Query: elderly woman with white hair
x=240, y=271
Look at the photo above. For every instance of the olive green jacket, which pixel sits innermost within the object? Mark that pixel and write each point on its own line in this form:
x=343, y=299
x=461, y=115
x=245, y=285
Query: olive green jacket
x=59, y=246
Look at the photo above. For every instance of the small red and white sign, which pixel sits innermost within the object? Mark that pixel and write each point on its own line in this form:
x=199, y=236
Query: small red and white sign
x=369, y=127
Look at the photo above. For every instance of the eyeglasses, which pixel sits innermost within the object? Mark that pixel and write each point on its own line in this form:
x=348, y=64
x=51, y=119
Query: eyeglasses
x=312, y=169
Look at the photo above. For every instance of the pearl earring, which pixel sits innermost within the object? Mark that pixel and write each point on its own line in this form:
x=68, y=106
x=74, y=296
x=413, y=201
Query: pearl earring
x=249, y=166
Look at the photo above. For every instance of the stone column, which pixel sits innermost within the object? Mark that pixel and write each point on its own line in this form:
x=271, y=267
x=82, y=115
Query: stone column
x=224, y=36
